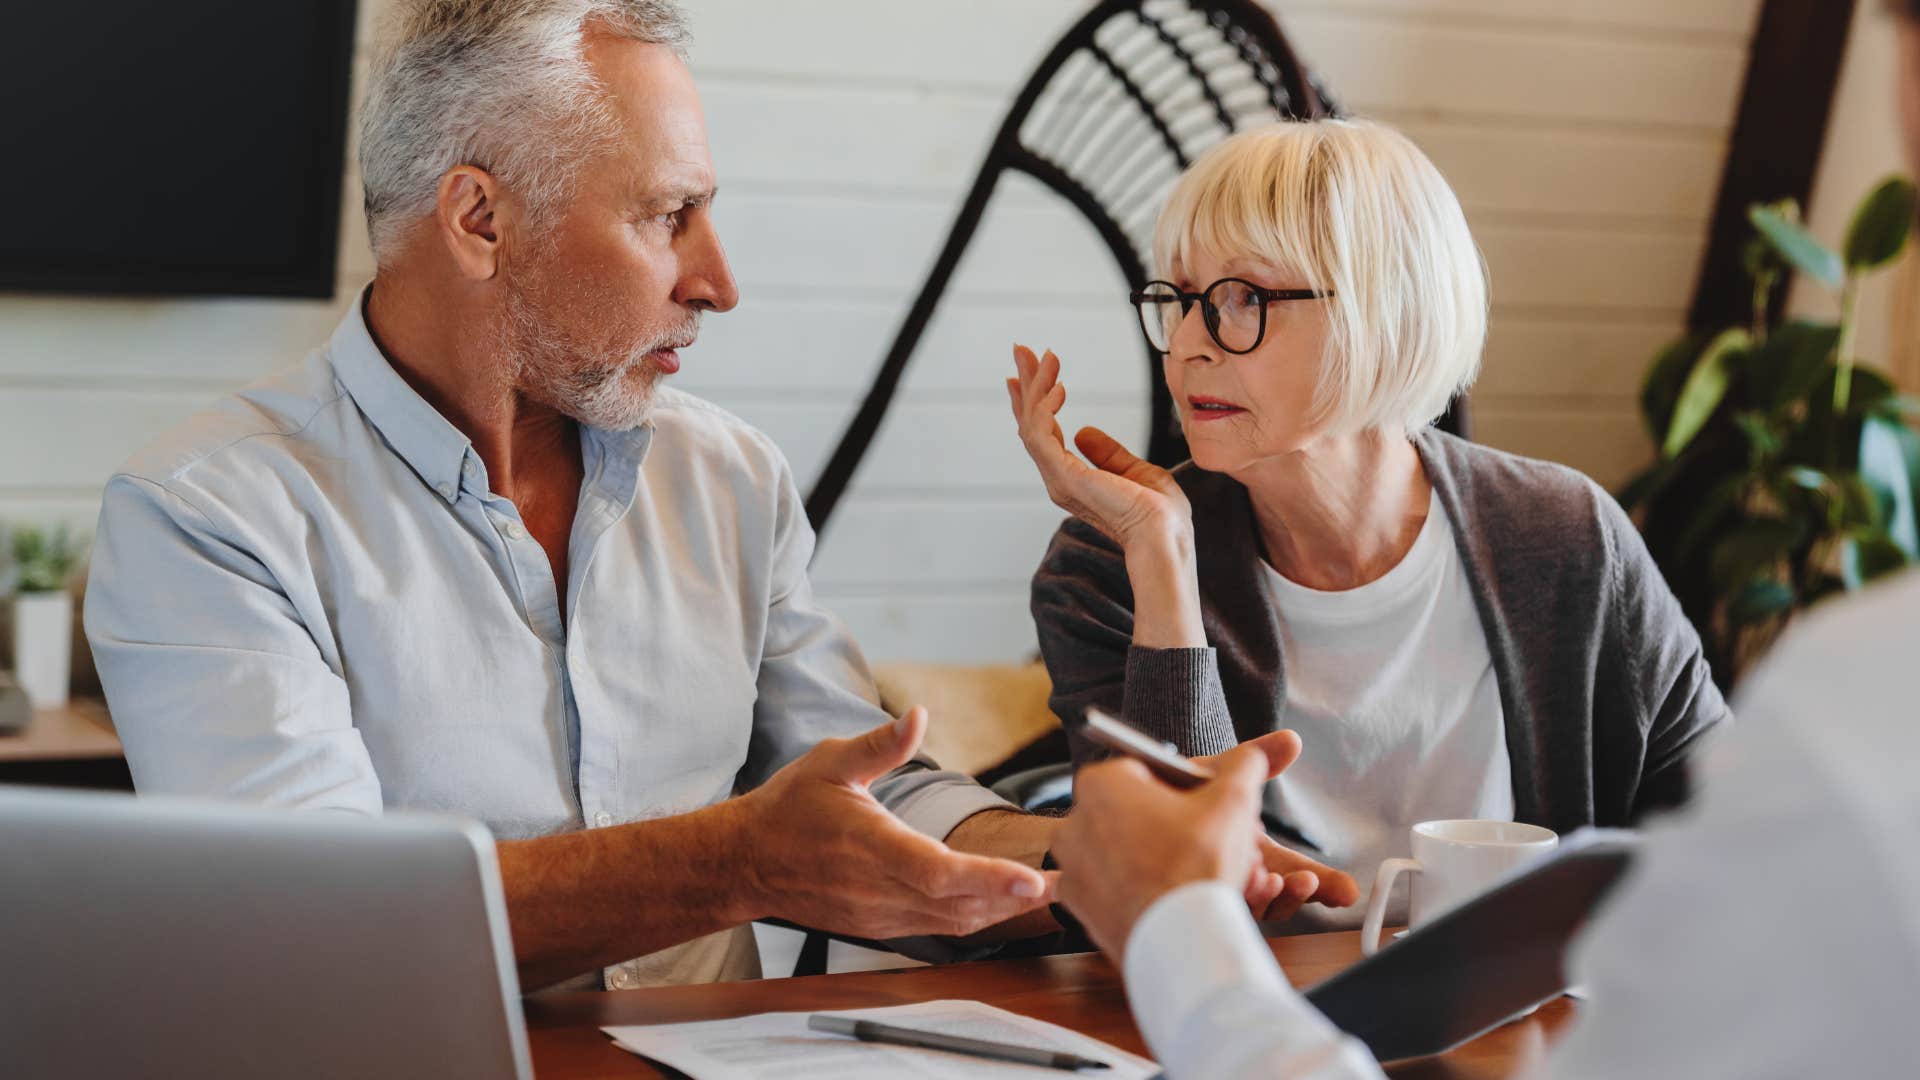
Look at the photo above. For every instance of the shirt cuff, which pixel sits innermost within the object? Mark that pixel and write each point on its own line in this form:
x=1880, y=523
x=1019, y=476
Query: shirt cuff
x=1190, y=945
x=1211, y=1001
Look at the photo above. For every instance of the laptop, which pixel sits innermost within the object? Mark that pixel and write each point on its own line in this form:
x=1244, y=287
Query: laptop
x=156, y=937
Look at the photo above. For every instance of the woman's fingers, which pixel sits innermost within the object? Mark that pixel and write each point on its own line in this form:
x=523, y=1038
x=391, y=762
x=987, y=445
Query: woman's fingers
x=1037, y=399
x=1104, y=451
x=1294, y=892
x=1033, y=379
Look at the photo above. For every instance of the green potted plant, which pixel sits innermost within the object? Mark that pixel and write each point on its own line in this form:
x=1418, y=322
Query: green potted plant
x=43, y=564
x=1787, y=472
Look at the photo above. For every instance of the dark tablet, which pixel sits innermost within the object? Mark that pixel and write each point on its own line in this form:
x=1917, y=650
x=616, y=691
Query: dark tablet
x=1481, y=964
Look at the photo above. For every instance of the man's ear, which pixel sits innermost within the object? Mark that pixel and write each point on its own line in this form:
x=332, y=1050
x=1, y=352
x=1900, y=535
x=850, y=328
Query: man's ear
x=469, y=217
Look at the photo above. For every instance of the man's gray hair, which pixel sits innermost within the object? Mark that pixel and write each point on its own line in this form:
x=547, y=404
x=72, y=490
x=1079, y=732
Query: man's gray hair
x=499, y=84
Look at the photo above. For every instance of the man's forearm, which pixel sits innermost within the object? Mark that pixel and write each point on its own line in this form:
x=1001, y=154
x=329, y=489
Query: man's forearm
x=1009, y=834
x=583, y=900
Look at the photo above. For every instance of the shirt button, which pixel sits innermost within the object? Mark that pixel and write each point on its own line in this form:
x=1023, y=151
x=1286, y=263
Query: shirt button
x=467, y=467
x=621, y=980
x=446, y=491
x=603, y=819
x=516, y=531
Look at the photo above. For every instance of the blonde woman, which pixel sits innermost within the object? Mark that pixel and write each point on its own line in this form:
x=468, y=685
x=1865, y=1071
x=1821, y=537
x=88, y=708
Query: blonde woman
x=1455, y=632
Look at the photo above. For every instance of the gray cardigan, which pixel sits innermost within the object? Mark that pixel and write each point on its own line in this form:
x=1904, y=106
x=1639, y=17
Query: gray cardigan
x=1601, y=677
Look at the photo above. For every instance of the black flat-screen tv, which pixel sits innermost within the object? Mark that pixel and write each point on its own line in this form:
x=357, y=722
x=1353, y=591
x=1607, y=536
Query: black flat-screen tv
x=161, y=147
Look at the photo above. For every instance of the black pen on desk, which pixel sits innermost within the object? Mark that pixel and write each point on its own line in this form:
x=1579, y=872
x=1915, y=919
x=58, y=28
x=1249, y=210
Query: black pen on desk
x=872, y=1031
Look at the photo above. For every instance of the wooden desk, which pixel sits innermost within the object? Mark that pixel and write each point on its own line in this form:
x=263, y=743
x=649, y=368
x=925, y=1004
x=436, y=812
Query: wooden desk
x=70, y=746
x=1080, y=992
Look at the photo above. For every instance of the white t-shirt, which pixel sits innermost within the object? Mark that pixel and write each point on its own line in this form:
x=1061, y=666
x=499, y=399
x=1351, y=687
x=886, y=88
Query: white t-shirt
x=1392, y=690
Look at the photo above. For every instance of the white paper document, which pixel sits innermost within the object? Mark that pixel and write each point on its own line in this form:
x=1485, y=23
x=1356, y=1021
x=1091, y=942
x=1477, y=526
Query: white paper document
x=778, y=1045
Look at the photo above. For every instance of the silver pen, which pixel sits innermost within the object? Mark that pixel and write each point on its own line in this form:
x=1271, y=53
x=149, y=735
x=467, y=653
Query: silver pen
x=872, y=1031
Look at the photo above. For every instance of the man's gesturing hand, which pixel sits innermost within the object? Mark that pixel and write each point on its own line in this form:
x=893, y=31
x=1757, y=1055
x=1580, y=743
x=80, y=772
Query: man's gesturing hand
x=826, y=854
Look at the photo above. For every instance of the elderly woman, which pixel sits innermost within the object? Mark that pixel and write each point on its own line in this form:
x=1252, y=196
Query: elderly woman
x=1454, y=632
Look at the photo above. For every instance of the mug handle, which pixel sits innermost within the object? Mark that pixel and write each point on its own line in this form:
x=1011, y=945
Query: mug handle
x=1377, y=903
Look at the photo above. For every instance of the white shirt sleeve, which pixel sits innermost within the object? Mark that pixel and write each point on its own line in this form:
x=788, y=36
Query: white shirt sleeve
x=216, y=685
x=1212, y=1003
x=1768, y=931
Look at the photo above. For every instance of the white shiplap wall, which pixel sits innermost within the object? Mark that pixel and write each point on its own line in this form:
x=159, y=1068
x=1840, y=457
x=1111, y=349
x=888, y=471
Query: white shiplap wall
x=1585, y=137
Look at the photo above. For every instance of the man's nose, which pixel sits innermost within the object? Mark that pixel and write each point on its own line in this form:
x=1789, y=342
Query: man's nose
x=706, y=280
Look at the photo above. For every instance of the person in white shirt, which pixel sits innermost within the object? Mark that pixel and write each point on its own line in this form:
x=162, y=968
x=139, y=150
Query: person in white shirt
x=1735, y=950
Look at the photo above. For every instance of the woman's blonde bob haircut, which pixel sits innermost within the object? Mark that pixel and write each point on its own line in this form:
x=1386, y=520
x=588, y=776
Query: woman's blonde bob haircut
x=1355, y=208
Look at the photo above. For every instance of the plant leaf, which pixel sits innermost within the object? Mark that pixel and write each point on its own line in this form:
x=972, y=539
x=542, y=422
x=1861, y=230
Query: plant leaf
x=1761, y=599
x=1750, y=550
x=1870, y=392
x=1706, y=386
x=1805, y=477
x=1790, y=363
x=1709, y=515
x=1898, y=407
x=1661, y=390
x=1867, y=554
x=1860, y=506
x=1881, y=225
x=1890, y=462
x=1758, y=429
x=1799, y=247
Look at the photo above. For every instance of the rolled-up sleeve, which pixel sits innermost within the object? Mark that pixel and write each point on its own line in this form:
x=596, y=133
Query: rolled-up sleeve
x=216, y=686
x=814, y=684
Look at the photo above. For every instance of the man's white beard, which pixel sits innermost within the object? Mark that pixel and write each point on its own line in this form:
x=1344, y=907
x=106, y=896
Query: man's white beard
x=598, y=386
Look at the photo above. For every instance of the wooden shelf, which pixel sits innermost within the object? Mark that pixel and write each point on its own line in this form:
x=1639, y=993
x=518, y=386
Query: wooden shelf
x=78, y=731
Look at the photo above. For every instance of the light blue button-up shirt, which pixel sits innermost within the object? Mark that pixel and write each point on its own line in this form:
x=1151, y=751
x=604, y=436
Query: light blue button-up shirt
x=308, y=596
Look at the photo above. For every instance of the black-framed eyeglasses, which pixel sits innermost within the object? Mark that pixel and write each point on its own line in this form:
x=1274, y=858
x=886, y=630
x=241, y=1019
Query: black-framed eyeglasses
x=1234, y=309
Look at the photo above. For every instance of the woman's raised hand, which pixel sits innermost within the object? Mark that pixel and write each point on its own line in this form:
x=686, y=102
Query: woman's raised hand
x=1119, y=494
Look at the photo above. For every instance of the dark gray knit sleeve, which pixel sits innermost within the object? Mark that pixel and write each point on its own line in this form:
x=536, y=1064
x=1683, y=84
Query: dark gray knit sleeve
x=1175, y=696
x=1082, y=607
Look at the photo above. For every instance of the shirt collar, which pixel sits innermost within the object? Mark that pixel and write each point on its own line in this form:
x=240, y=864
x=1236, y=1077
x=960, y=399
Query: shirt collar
x=429, y=444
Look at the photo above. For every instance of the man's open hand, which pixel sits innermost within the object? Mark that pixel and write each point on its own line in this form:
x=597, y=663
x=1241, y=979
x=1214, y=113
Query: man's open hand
x=826, y=854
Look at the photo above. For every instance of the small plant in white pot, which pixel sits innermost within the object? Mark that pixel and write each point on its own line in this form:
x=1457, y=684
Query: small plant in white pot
x=43, y=564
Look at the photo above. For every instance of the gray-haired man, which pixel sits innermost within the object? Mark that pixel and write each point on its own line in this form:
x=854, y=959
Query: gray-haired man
x=471, y=557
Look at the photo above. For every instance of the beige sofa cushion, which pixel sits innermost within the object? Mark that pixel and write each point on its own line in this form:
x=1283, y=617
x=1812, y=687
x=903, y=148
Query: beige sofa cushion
x=979, y=715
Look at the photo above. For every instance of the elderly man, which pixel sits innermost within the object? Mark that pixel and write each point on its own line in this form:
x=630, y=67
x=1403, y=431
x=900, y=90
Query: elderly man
x=471, y=556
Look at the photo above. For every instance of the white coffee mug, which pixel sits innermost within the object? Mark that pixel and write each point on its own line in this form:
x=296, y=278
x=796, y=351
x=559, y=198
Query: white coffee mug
x=1456, y=861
